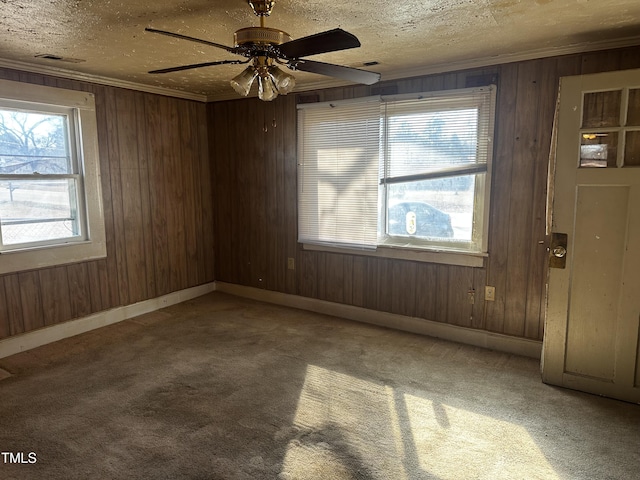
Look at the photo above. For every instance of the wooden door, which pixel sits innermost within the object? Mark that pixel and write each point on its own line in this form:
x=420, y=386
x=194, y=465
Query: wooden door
x=593, y=313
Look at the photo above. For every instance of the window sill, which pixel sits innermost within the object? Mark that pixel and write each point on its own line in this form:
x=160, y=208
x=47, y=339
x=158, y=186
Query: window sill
x=447, y=257
x=41, y=257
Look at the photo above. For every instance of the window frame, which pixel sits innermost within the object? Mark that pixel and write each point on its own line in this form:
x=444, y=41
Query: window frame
x=83, y=148
x=389, y=246
x=479, y=238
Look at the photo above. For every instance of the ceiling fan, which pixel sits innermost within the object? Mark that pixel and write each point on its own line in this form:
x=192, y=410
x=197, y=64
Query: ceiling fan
x=266, y=47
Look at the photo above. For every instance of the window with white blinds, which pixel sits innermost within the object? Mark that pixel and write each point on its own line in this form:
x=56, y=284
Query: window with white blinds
x=338, y=162
x=409, y=171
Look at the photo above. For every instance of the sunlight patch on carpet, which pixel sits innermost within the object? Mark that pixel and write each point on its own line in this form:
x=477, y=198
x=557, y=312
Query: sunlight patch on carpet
x=347, y=427
x=479, y=446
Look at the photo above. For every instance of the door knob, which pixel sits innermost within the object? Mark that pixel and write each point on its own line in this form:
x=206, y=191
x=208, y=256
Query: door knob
x=559, y=251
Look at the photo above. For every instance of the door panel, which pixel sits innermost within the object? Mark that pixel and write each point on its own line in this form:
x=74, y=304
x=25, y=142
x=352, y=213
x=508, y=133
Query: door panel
x=601, y=217
x=593, y=314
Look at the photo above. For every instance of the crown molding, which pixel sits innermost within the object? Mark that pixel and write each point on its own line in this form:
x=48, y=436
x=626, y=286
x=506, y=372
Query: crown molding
x=480, y=62
x=537, y=54
x=108, y=81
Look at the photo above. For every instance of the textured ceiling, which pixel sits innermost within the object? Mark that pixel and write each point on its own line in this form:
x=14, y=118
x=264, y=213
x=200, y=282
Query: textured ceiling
x=105, y=39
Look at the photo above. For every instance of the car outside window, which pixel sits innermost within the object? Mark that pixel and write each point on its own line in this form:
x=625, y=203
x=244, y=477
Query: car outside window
x=432, y=154
x=434, y=180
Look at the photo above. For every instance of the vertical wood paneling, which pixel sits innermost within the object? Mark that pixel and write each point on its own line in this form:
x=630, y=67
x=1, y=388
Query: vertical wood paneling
x=537, y=268
x=290, y=207
x=31, y=299
x=370, y=283
x=156, y=146
x=79, y=290
x=347, y=279
x=145, y=195
x=116, y=197
x=442, y=293
x=517, y=243
x=174, y=201
x=113, y=298
x=521, y=197
x=426, y=291
x=241, y=223
x=14, y=304
x=478, y=308
x=5, y=329
x=600, y=62
x=140, y=143
x=56, y=303
x=162, y=216
x=500, y=195
x=460, y=307
x=403, y=292
x=383, y=280
x=259, y=187
x=134, y=250
x=278, y=217
x=187, y=159
x=95, y=285
x=204, y=200
x=357, y=280
x=321, y=275
x=307, y=276
x=334, y=278
x=221, y=166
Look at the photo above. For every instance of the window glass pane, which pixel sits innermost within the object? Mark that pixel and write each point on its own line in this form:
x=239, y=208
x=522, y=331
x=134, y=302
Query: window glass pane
x=439, y=208
x=339, y=156
x=601, y=109
x=598, y=149
x=33, y=143
x=633, y=113
x=37, y=211
x=632, y=150
x=431, y=141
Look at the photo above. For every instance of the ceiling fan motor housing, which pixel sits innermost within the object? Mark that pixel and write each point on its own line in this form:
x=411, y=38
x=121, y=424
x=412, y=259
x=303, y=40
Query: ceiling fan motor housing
x=260, y=36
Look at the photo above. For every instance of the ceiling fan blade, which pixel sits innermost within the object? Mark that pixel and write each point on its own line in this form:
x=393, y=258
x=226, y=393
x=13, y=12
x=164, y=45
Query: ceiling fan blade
x=346, y=73
x=329, y=41
x=197, y=65
x=191, y=39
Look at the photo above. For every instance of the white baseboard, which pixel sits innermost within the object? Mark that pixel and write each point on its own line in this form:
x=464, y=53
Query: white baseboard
x=480, y=338
x=26, y=341
x=469, y=336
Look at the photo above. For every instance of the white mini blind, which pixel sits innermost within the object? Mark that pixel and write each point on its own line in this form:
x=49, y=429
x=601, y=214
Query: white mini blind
x=338, y=160
x=439, y=131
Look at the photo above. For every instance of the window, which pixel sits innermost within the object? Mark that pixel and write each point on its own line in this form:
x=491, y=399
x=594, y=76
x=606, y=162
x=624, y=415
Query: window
x=405, y=173
x=50, y=199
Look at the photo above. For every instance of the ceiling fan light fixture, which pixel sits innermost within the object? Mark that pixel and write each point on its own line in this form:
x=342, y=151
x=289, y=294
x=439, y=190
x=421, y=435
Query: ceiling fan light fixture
x=268, y=45
x=242, y=83
x=267, y=90
x=284, y=82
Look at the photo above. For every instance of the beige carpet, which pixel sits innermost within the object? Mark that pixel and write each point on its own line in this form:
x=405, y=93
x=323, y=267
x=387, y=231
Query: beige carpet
x=224, y=388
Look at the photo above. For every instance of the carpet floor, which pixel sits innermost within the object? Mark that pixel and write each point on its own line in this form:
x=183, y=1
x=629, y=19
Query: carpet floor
x=226, y=388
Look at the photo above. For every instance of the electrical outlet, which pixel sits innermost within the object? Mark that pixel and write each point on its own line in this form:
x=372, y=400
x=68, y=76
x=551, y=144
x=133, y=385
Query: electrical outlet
x=291, y=263
x=490, y=293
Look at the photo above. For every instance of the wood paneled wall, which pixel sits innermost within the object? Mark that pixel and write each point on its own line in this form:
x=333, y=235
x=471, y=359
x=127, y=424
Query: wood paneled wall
x=156, y=185
x=253, y=151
